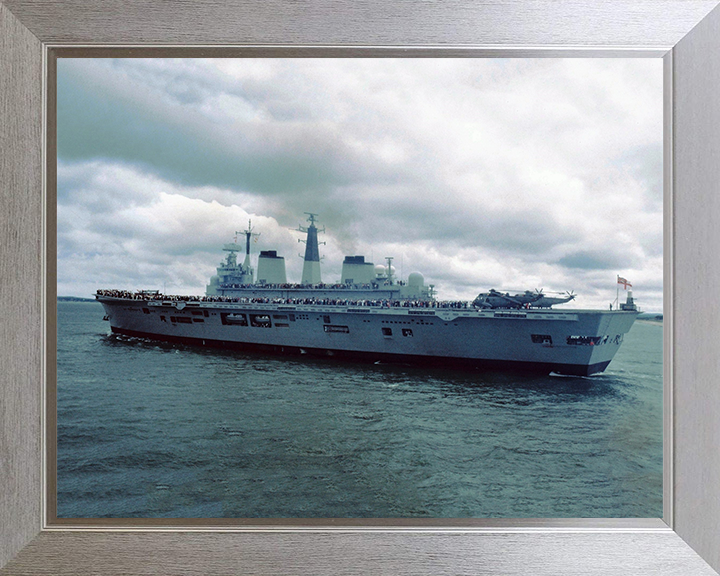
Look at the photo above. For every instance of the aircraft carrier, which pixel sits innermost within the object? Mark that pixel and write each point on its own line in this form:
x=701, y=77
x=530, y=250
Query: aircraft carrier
x=371, y=315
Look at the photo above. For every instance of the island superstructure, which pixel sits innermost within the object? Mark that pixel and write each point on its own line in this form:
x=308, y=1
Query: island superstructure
x=359, y=279
x=371, y=315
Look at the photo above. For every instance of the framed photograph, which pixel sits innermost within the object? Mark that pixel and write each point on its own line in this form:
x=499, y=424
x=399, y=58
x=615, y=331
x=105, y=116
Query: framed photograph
x=458, y=400
x=684, y=540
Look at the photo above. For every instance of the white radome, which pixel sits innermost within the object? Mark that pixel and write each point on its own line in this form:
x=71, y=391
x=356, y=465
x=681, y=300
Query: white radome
x=416, y=279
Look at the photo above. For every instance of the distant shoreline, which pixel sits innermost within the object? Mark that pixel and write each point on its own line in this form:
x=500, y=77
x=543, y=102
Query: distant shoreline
x=74, y=299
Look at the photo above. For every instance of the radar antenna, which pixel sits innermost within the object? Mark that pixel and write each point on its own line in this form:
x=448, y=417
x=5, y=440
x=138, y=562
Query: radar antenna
x=389, y=268
x=312, y=219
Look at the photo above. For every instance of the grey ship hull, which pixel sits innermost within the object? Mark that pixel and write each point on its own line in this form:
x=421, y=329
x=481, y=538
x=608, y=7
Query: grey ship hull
x=577, y=342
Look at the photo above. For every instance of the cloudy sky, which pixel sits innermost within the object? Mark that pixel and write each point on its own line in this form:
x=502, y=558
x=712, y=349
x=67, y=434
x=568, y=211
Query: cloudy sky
x=510, y=173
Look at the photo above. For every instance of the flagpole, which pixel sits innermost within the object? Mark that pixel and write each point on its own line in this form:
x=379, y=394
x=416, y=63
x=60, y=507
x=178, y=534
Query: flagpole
x=617, y=293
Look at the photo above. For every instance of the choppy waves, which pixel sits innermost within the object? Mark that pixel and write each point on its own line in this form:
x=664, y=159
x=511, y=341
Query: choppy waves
x=157, y=430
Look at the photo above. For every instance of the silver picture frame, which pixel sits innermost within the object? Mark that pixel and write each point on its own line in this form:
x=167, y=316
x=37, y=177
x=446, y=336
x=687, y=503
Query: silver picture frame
x=685, y=33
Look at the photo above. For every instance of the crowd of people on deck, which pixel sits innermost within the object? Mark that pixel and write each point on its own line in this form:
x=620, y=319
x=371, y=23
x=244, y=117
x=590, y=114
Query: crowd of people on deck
x=381, y=302
x=369, y=286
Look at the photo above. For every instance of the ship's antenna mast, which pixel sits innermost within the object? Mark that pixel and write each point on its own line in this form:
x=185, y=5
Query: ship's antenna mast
x=389, y=271
x=311, y=267
x=248, y=234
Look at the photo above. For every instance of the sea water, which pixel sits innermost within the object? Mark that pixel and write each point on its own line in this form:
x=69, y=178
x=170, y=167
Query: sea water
x=148, y=429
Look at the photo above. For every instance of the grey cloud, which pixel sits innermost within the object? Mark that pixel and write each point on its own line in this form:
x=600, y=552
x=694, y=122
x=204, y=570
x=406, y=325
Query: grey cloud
x=515, y=231
x=593, y=261
x=292, y=160
x=645, y=164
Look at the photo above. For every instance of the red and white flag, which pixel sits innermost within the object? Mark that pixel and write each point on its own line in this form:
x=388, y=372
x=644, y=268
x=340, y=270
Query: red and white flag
x=624, y=282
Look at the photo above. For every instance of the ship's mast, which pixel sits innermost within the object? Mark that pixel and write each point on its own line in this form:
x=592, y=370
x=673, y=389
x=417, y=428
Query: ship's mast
x=389, y=269
x=311, y=267
x=248, y=234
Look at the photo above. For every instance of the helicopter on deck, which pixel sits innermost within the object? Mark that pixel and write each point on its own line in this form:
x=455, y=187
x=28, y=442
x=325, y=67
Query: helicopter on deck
x=528, y=299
